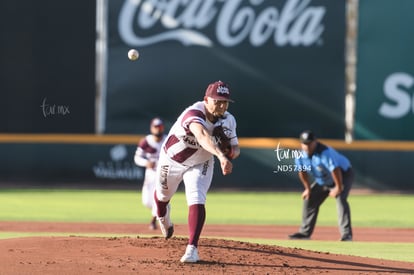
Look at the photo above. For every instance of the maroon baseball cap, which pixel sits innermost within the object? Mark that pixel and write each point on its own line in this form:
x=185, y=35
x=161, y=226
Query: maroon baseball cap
x=157, y=122
x=218, y=90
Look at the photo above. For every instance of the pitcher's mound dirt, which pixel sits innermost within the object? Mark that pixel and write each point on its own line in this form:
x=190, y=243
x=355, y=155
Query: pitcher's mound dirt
x=133, y=255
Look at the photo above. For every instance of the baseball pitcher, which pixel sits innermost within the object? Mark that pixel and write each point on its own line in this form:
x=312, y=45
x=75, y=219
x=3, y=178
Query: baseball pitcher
x=188, y=155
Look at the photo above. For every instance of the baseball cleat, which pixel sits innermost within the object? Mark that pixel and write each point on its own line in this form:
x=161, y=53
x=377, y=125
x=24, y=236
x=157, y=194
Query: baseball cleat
x=299, y=236
x=166, y=226
x=346, y=238
x=190, y=255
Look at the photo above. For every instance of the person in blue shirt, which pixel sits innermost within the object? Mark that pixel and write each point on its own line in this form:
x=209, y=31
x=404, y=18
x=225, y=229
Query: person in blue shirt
x=325, y=173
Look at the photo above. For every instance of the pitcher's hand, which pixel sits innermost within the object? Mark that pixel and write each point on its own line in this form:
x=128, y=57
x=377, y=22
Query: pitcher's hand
x=226, y=165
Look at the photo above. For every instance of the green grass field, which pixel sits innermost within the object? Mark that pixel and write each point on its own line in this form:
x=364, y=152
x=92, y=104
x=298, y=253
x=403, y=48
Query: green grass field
x=266, y=208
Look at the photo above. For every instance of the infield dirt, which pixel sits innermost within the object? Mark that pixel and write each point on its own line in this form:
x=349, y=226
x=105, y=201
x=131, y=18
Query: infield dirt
x=76, y=254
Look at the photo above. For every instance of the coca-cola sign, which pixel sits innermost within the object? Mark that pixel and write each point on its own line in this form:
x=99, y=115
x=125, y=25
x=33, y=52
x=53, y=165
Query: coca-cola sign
x=148, y=22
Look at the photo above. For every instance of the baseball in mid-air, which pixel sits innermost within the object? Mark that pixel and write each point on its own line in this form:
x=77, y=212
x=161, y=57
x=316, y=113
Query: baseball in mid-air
x=133, y=54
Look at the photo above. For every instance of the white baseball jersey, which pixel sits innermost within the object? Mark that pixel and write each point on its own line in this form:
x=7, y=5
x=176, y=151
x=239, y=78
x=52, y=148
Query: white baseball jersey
x=182, y=146
x=148, y=150
x=183, y=159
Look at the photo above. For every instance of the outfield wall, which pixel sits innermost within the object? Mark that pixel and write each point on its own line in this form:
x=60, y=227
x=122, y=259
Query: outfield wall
x=47, y=66
x=385, y=71
x=285, y=63
x=265, y=163
x=283, y=59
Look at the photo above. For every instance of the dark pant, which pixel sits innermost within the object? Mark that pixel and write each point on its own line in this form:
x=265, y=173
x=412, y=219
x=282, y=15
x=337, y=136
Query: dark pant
x=317, y=197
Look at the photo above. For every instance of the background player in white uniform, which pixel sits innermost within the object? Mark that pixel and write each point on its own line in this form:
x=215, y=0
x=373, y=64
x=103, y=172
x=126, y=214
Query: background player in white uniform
x=146, y=155
x=188, y=155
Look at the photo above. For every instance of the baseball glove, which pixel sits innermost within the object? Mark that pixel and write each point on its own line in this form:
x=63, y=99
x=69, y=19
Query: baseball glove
x=222, y=141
